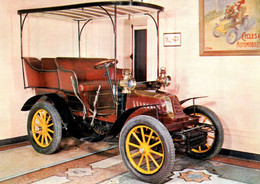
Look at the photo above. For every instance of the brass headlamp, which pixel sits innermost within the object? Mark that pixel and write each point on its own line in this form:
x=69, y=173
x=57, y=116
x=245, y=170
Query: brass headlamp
x=164, y=79
x=128, y=83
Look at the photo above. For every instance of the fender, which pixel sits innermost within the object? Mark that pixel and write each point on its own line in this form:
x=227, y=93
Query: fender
x=119, y=123
x=192, y=98
x=60, y=105
x=30, y=102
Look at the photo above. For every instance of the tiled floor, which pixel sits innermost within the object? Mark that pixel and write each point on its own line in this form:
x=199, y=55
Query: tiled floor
x=81, y=162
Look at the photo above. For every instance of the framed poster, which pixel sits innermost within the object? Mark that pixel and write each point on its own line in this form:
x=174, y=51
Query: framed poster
x=229, y=27
x=171, y=39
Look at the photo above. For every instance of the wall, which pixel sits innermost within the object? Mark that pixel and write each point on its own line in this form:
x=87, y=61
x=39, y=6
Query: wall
x=43, y=43
x=47, y=39
x=232, y=83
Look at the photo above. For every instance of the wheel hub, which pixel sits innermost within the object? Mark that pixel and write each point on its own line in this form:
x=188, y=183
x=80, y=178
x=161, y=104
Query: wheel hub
x=141, y=150
x=144, y=148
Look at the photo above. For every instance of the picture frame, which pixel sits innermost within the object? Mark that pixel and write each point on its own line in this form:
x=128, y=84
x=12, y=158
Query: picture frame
x=229, y=28
x=172, y=39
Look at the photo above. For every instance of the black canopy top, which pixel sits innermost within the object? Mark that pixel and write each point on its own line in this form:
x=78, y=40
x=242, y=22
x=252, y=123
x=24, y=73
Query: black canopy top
x=93, y=10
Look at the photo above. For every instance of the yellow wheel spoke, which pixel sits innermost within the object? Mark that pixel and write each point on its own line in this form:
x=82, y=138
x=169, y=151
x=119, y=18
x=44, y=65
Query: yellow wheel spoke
x=155, y=144
x=156, y=153
x=154, y=161
x=134, y=145
x=36, y=124
x=49, y=130
x=41, y=116
x=142, y=132
x=36, y=131
x=44, y=117
x=48, y=135
x=200, y=148
x=46, y=139
x=140, y=161
x=147, y=163
x=40, y=121
x=39, y=136
x=50, y=125
x=150, y=136
x=207, y=145
x=211, y=137
x=135, y=154
x=137, y=138
x=48, y=120
x=205, y=120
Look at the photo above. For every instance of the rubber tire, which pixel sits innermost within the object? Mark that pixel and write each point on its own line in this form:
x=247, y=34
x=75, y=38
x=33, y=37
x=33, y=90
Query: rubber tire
x=169, y=156
x=219, y=136
x=57, y=128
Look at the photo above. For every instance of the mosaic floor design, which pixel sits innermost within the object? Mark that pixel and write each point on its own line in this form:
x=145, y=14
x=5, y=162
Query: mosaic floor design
x=104, y=166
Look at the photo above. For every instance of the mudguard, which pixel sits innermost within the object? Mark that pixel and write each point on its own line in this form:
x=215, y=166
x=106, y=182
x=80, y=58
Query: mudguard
x=193, y=98
x=119, y=123
x=59, y=103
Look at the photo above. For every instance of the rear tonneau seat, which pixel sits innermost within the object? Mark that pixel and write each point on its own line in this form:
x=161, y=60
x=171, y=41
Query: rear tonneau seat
x=40, y=73
x=42, y=65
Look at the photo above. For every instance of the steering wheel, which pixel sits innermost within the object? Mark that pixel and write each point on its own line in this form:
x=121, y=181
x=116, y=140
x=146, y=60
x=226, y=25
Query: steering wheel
x=105, y=63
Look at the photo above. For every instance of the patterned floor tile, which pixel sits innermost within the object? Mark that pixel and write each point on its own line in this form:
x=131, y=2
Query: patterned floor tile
x=107, y=162
x=53, y=180
x=80, y=172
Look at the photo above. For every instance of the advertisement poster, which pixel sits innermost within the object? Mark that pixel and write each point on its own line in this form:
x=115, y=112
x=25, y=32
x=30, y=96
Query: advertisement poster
x=230, y=27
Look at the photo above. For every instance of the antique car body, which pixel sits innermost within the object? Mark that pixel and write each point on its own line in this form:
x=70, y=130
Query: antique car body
x=94, y=100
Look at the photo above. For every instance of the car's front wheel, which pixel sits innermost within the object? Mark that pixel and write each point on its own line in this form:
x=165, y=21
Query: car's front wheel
x=147, y=149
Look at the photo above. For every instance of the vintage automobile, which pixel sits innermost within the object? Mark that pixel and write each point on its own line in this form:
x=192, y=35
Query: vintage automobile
x=234, y=21
x=94, y=100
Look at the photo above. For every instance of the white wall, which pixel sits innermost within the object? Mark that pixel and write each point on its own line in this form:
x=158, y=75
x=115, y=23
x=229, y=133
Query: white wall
x=12, y=93
x=232, y=83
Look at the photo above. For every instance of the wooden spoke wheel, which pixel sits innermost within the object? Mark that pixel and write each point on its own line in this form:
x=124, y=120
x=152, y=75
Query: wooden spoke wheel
x=44, y=128
x=147, y=149
x=215, y=136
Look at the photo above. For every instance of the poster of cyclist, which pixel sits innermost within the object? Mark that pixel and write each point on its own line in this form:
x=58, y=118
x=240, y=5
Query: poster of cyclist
x=229, y=27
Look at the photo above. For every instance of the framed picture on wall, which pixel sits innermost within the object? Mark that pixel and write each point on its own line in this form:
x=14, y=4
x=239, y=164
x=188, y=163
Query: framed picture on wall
x=171, y=39
x=229, y=27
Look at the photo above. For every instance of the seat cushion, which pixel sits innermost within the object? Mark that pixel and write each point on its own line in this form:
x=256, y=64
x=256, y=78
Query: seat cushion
x=93, y=85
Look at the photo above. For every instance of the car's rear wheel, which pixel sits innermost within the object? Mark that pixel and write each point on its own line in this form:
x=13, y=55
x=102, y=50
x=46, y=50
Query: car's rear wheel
x=44, y=128
x=147, y=149
x=215, y=136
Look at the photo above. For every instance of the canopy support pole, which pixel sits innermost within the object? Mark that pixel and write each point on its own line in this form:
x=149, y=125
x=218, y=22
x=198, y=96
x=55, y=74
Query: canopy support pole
x=22, y=22
x=156, y=22
x=114, y=24
x=80, y=30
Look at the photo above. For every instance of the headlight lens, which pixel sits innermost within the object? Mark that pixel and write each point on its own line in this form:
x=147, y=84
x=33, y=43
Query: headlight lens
x=128, y=83
x=131, y=83
x=169, y=108
x=164, y=79
x=167, y=80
